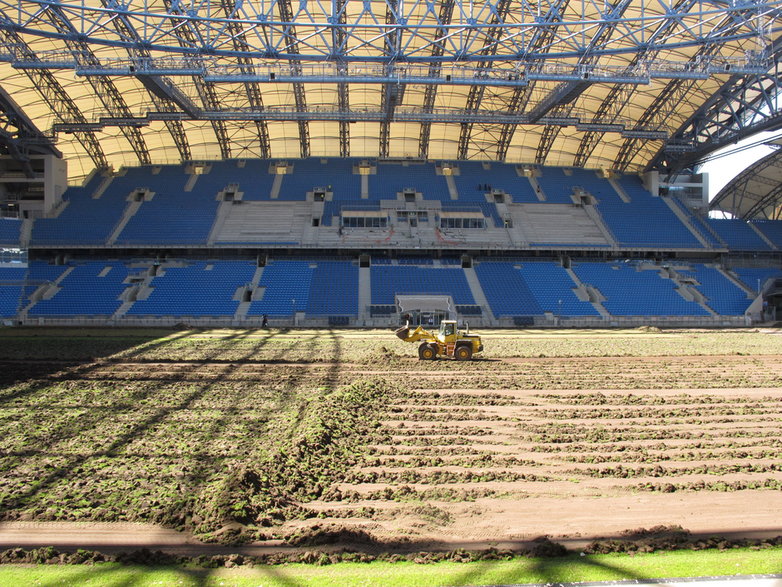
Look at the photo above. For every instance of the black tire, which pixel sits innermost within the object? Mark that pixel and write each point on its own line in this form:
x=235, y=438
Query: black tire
x=463, y=353
x=426, y=353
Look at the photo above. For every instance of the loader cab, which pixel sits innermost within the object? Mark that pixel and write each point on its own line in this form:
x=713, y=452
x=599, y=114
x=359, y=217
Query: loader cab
x=447, y=332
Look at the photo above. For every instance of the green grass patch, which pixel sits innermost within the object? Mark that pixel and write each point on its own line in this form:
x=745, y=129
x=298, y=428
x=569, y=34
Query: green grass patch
x=742, y=561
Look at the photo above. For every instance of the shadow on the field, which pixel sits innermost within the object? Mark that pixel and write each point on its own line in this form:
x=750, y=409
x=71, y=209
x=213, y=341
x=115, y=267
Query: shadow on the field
x=61, y=454
x=551, y=570
x=40, y=360
x=130, y=575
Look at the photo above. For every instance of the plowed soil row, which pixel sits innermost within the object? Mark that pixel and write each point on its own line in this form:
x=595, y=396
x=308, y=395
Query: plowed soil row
x=228, y=437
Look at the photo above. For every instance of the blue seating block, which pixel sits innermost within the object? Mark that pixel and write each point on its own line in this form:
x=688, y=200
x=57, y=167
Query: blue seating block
x=645, y=221
x=772, y=229
x=288, y=285
x=10, y=231
x=756, y=277
x=632, y=292
x=738, y=235
x=550, y=283
x=334, y=289
x=196, y=290
x=84, y=293
x=723, y=296
x=506, y=291
x=500, y=176
x=389, y=280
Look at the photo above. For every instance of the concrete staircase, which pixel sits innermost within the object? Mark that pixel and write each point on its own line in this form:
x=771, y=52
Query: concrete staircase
x=223, y=210
x=751, y=293
x=478, y=295
x=620, y=191
x=687, y=290
x=137, y=291
x=597, y=218
x=127, y=214
x=102, y=187
x=44, y=292
x=454, y=193
x=244, y=307
x=364, y=294
x=685, y=219
x=25, y=232
x=763, y=236
x=588, y=293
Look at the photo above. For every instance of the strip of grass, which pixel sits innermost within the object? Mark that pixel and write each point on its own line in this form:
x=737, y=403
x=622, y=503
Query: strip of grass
x=521, y=570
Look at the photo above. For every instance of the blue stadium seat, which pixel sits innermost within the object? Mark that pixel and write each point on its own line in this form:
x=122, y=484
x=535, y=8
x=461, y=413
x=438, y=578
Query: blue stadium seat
x=632, y=292
x=390, y=280
x=737, y=234
x=196, y=290
x=506, y=291
x=85, y=293
x=10, y=230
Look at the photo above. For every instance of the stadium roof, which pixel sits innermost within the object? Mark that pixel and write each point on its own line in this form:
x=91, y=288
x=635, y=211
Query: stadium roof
x=756, y=192
x=623, y=84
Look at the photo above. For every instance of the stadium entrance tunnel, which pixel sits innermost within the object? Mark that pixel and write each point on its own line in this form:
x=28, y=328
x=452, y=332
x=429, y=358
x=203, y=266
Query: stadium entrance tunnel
x=427, y=310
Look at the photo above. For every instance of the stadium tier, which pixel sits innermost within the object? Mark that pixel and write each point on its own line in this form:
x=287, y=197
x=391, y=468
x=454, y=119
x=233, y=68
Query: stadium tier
x=352, y=203
x=10, y=231
x=253, y=239
x=334, y=291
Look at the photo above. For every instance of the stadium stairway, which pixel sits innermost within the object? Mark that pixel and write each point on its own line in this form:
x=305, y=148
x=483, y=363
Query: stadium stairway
x=44, y=292
x=587, y=293
x=685, y=219
x=537, y=189
x=751, y=293
x=620, y=191
x=137, y=291
x=26, y=232
x=597, y=218
x=763, y=236
x=452, y=191
x=364, y=293
x=687, y=289
x=127, y=214
x=244, y=307
x=479, y=296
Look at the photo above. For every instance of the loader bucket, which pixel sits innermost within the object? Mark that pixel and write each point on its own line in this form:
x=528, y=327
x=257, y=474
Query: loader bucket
x=403, y=332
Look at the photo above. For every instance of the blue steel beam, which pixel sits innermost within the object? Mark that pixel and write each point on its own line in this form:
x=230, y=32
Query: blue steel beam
x=285, y=10
x=434, y=72
x=741, y=107
x=521, y=96
x=755, y=192
x=165, y=96
x=676, y=90
x=19, y=137
x=185, y=37
x=254, y=98
x=58, y=100
x=268, y=28
x=490, y=45
x=621, y=94
x=283, y=114
x=103, y=87
x=568, y=92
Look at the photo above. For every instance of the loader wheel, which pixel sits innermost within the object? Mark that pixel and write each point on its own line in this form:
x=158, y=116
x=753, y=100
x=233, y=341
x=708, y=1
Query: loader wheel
x=463, y=353
x=426, y=353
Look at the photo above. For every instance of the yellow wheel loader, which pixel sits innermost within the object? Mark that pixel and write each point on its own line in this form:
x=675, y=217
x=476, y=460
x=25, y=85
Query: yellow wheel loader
x=449, y=341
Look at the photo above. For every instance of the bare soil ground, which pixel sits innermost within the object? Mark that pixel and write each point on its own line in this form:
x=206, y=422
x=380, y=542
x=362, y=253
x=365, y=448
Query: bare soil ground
x=568, y=435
